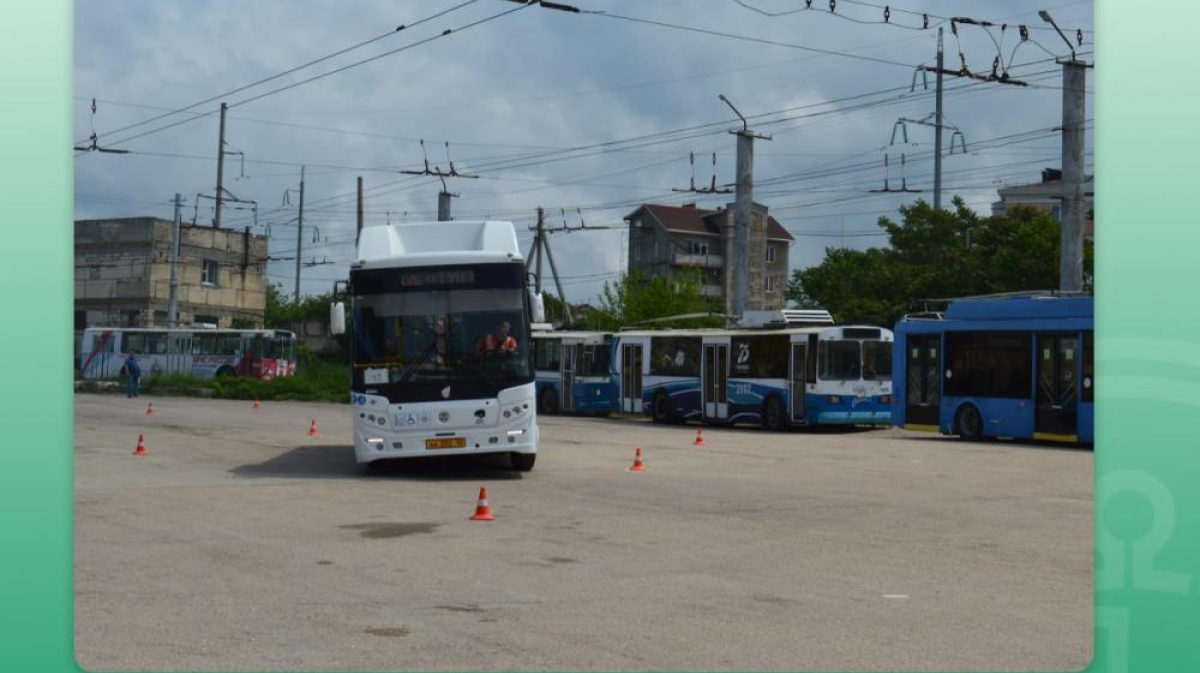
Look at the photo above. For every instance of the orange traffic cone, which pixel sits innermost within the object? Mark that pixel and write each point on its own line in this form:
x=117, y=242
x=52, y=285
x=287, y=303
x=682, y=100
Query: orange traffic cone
x=150, y=409
x=638, y=465
x=482, y=511
x=255, y=404
x=699, y=439
x=312, y=430
x=141, y=447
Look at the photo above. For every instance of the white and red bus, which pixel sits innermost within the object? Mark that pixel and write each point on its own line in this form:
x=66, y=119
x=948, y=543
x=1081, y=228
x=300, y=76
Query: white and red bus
x=203, y=353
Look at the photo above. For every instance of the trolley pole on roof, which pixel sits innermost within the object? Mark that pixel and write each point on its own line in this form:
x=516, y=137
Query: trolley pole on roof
x=358, y=229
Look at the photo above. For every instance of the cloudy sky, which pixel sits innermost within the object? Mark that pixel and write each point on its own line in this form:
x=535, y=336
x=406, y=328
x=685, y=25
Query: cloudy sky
x=589, y=114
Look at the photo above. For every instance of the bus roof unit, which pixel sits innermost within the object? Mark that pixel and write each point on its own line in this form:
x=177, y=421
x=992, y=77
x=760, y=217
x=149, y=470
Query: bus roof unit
x=437, y=243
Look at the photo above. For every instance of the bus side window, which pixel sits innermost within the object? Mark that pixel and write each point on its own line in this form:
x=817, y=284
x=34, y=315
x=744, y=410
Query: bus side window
x=811, y=373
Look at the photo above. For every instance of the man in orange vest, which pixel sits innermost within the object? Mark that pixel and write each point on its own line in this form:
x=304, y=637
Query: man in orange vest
x=500, y=341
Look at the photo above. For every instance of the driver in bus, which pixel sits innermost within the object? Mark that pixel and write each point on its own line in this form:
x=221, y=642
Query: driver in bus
x=498, y=341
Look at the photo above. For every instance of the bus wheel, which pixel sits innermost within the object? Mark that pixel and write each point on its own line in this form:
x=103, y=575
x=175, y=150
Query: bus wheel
x=968, y=423
x=549, y=401
x=773, y=419
x=522, y=462
x=660, y=408
x=226, y=372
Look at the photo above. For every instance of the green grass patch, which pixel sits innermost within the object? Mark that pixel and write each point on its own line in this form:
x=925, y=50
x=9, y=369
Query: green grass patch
x=315, y=381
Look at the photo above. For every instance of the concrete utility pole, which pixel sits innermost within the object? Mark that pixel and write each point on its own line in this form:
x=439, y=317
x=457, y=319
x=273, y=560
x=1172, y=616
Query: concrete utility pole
x=358, y=230
x=1074, y=103
x=540, y=236
x=172, y=306
x=1071, y=269
x=444, y=206
x=937, y=130
x=300, y=233
x=743, y=212
x=220, y=168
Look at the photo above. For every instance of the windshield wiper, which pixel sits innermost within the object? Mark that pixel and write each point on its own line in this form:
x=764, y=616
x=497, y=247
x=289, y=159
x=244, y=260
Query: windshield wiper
x=417, y=363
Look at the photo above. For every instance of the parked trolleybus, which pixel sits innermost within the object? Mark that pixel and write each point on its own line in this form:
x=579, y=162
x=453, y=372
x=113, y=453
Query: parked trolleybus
x=441, y=347
x=574, y=372
x=204, y=353
x=1016, y=366
x=774, y=377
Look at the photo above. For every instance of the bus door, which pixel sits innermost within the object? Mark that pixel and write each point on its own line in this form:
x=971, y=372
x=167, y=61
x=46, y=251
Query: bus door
x=1057, y=415
x=179, y=353
x=922, y=373
x=568, y=358
x=799, y=367
x=714, y=381
x=631, y=378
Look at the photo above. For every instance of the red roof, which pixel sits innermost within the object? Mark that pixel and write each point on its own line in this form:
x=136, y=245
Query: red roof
x=702, y=221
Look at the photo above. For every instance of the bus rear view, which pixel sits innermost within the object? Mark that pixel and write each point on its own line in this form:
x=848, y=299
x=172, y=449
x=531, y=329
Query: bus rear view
x=440, y=333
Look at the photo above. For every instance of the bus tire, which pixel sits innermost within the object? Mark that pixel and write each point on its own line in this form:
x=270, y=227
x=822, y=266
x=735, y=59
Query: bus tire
x=522, y=462
x=226, y=372
x=549, y=401
x=660, y=408
x=772, y=415
x=968, y=423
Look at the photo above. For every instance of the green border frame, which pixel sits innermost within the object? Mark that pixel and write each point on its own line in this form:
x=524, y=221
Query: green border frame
x=1148, y=367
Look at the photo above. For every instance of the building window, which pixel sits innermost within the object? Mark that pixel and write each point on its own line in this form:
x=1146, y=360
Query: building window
x=208, y=272
x=769, y=284
x=770, y=254
x=695, y=247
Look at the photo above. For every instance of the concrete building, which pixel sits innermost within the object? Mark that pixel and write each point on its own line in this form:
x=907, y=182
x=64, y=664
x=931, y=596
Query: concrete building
x=1046, y=196
x=123, y=272
x=665, y=240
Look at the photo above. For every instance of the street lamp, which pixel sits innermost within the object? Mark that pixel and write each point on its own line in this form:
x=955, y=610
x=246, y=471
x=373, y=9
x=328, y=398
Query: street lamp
x=1045, y=16
x=745, y=126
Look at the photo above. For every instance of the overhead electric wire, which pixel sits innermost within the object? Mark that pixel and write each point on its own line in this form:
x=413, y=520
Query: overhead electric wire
x=446, y=33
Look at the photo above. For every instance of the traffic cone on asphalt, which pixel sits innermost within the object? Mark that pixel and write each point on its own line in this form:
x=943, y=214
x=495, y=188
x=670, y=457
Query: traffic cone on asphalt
x=483, y=512
x=141, y=447
x=255, y=404
x=638, y=465
x=150, y=409
x=312, y=430
x=699, y=439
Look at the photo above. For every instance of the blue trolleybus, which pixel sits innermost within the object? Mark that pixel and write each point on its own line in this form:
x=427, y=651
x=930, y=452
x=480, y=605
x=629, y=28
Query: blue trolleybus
x=773, y=377
x=1014, y=366
x=574, y=372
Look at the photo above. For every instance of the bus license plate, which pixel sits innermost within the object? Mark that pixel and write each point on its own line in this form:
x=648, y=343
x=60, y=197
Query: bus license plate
x=450, y=443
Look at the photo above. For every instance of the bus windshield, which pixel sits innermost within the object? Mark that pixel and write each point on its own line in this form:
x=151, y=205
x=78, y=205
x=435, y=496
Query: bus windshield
x=424, y=345
x=839, y=360
x=877, y=360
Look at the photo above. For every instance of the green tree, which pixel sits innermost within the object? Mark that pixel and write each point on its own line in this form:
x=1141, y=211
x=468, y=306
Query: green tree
x=636, y=298
x=935, y=254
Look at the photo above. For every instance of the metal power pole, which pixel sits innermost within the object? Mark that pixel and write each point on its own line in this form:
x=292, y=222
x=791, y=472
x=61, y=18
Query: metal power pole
x=220, y=168
x=937, y=137
x=300, y=234
x=172, y=305
x=358, y=230
x=558, y=283
x=743, y=205
x=1071, y=269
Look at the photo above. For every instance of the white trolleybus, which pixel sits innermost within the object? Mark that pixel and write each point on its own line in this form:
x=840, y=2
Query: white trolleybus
x=441, y=347
x=785, y=368
x=263, y=354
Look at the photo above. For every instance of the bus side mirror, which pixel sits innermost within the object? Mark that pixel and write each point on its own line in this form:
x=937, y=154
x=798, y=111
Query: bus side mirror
x=537, y=307
x=337, y=318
